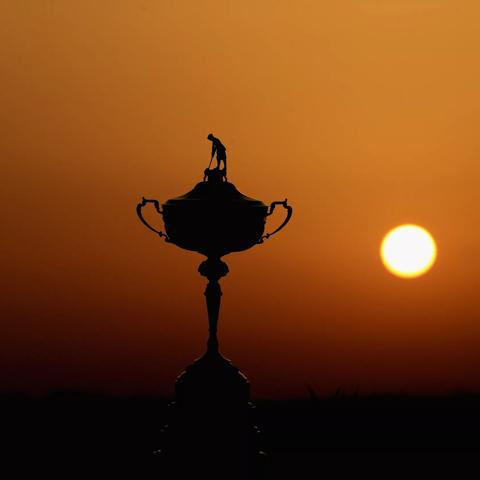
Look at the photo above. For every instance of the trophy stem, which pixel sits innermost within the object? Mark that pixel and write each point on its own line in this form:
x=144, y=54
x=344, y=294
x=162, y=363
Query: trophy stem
x=213, y=295
x=213, y=269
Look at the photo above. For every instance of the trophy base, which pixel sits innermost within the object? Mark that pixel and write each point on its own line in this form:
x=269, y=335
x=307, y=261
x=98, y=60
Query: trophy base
x=211, y=431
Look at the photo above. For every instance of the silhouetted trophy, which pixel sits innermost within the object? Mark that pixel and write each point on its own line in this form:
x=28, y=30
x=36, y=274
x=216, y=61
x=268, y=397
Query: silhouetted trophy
x=211, y=431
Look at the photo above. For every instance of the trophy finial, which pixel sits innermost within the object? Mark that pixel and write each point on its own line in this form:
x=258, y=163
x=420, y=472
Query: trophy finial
x=218, y=149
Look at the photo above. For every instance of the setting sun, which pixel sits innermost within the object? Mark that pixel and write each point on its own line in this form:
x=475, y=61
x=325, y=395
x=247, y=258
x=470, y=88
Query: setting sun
x=408, y=251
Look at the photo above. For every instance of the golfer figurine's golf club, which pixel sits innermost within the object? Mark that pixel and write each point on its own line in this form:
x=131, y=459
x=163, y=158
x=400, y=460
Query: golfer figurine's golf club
x=209, y=424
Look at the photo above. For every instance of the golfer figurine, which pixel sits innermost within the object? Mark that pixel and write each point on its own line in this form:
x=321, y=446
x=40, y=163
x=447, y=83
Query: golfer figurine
x=219, y=150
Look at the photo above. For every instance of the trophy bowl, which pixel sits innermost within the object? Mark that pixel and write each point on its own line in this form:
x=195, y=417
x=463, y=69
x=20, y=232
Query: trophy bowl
x=214, y=219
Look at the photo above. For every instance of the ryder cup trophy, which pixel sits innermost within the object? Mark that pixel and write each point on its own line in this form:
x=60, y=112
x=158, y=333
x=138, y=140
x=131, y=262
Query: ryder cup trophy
x=210, y=431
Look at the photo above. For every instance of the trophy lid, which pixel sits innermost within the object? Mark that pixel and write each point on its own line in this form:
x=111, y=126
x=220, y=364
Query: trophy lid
x=216, y=191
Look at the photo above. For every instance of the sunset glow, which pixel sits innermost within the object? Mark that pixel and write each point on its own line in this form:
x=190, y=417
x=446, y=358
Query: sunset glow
x=364, y=114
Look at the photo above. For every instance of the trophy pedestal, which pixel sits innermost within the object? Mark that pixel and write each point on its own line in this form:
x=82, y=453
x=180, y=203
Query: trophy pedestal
x=211, y=432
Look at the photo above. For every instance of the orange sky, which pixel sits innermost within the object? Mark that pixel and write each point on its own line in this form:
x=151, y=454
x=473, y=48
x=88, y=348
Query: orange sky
x=364, y=113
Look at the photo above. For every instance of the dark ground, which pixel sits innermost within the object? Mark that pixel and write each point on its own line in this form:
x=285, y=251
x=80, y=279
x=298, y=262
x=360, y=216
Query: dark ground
x=93, y=433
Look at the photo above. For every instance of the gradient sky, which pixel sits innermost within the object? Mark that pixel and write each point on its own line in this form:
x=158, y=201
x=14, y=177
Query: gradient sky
x=364, y=113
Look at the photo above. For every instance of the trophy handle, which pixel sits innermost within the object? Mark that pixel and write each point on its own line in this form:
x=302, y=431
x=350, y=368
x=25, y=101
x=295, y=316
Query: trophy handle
x=142, y=219
x=287, y=218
